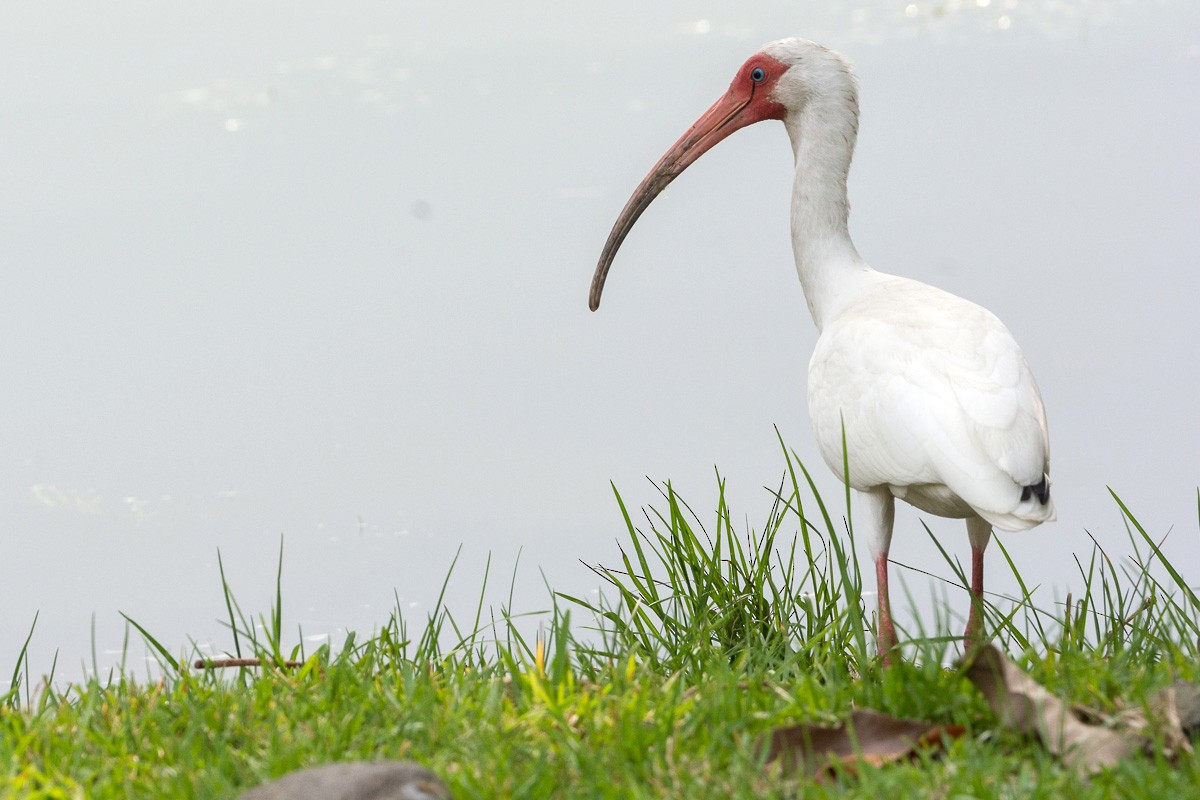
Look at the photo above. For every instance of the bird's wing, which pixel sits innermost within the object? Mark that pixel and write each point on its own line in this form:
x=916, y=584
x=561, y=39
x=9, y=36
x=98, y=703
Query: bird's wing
x=932, y=389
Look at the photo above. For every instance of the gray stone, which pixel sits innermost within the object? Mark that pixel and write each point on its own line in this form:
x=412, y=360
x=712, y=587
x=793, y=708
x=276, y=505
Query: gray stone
x=362, y=780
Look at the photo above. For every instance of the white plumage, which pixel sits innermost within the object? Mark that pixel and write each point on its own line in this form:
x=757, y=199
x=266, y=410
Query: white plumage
x=937, y=400
x=937, y=403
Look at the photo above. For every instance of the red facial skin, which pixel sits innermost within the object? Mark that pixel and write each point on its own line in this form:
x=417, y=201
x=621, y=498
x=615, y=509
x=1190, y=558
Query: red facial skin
x=748, y=101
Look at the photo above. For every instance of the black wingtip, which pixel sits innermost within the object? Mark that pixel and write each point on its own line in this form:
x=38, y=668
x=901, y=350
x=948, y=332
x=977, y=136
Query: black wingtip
x=1041, y=489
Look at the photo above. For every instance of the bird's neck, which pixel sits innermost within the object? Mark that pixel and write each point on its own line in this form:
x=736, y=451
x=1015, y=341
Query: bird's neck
x=823, y=135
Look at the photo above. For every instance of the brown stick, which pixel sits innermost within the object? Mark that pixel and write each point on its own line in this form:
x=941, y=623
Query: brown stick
x=221, y=663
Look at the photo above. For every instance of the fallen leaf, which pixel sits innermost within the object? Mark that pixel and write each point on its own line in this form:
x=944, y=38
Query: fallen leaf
x=1026, y=706
x=1173, y=715
x=1085, y=739
x=354, y=780
x=1187, y=703
x=868, y=736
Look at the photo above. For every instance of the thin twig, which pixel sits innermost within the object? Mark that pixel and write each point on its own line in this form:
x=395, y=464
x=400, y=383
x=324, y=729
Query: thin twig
x=221, y=663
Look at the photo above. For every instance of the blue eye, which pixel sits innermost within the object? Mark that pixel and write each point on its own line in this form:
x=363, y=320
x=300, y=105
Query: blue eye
x=757, y=74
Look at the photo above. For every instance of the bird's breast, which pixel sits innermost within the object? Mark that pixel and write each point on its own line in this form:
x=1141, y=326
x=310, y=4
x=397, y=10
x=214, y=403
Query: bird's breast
x=933, y=498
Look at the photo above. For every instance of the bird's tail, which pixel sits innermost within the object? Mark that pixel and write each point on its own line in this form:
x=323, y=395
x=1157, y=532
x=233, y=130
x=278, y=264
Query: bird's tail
x=1035, y=507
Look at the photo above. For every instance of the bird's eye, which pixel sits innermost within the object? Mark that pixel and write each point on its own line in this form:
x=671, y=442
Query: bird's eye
x=757, y=74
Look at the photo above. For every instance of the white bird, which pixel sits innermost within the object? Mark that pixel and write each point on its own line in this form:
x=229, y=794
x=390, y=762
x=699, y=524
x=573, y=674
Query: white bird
x=937, y=403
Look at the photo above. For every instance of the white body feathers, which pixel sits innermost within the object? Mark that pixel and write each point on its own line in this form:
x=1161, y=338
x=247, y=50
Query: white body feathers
x=937, y=401
x=939, y=406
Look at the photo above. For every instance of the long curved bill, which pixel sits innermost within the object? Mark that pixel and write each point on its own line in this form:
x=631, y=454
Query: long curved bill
x=727, y=115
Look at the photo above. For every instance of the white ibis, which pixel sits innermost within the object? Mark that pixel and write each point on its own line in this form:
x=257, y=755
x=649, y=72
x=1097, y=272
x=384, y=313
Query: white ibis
x=937, y=403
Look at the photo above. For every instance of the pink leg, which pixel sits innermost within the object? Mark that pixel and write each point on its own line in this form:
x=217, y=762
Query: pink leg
x=878, y=508
x=979, y=533
x=885, y=641
x=975, y=619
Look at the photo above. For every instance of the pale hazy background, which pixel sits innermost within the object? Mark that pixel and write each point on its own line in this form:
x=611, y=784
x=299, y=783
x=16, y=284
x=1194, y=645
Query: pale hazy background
x=320, y=270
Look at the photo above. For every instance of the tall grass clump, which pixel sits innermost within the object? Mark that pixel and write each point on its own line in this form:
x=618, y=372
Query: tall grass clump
x=788, y=596
x=686, y=595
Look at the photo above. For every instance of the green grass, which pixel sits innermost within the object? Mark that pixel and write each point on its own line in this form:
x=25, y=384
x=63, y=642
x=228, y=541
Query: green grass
x=704, y=639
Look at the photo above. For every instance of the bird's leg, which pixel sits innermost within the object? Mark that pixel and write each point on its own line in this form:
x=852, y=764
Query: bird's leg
x=880, y=512
x=885, y=635
x=979, y=531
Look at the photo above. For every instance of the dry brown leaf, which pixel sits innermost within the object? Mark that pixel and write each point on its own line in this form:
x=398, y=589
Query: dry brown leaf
x=1173, y=715
x=1186, y=697
x=354, y=780
x=1084, y=739
x=867, y=736
x=1026, y=706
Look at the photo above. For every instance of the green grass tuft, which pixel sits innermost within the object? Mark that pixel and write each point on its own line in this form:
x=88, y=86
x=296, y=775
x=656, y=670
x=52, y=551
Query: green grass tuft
x=703, y=639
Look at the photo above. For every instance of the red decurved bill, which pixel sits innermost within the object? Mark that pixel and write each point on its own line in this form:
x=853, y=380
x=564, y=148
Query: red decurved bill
x=746, y=102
